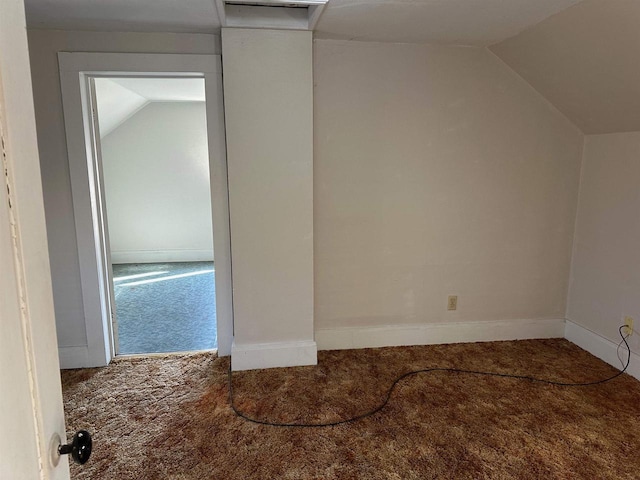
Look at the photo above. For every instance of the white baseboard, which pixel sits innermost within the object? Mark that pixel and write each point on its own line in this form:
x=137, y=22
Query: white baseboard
x=269, y=355
x=601, y=347
x=437, y=333
x=73, y=357
x=79, y=357
x=162, y=256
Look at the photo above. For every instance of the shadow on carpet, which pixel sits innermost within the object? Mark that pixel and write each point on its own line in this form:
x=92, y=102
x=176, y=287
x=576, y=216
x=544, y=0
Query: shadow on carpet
x=169, y=418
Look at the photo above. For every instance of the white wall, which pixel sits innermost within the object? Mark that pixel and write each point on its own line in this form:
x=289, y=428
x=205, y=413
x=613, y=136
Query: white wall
x=156, y=177
x=269, y=120
x=437, y=171
x=605, y=275
x=43, y=47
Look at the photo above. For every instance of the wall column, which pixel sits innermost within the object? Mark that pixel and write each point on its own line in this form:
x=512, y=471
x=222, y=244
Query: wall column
x=268, y=95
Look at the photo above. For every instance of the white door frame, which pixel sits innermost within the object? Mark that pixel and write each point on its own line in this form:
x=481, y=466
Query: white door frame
x=76, y=70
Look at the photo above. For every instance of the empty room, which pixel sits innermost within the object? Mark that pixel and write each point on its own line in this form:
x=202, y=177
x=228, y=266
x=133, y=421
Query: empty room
x=320, y=239
x=157, y=203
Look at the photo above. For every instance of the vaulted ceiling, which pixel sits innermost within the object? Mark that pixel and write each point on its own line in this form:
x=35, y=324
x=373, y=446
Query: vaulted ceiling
x=449, y=22
x=118, y=99
x=585, y=61
x=582, y=55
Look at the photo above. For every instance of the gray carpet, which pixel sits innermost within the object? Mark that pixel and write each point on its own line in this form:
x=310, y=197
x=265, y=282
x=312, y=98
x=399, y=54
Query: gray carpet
x=165, y=307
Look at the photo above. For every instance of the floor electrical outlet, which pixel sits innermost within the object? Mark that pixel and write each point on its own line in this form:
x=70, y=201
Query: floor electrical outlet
x=628, y=329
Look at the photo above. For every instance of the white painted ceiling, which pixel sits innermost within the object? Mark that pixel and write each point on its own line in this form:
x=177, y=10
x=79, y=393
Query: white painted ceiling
x=196, y=16
x=118, y=99
x=582, y=55
x=115, y=104
x=586, y=62
x=458, y=22
x=165, y=89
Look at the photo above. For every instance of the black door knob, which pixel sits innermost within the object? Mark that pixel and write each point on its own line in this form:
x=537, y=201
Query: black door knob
x=79, y=448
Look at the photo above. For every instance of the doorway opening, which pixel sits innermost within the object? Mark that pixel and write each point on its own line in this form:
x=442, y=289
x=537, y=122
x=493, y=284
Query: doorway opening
x=153, y=155
x=79, y=73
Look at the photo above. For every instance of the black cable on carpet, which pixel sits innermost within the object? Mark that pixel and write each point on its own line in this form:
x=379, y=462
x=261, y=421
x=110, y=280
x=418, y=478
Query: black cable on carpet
x=416, y=372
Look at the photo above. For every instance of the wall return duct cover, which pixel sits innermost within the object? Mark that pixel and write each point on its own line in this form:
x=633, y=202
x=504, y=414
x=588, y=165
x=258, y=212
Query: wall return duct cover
x=280, y=14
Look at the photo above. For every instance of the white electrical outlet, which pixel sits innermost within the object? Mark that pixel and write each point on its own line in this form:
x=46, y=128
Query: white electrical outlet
x=452, y=302
x=628, y=325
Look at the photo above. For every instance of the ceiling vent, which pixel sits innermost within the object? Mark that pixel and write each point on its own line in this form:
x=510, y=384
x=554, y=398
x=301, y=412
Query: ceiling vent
x=280, y=14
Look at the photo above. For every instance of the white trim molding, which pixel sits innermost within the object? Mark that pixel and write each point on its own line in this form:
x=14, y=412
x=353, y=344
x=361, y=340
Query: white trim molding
x=75, y=357
x=268, y=355
x=437, y=333
x=76, y=73
x=601, y=347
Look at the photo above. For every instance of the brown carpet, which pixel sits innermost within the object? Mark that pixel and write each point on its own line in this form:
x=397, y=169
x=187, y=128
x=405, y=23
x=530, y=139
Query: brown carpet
x=169, y=418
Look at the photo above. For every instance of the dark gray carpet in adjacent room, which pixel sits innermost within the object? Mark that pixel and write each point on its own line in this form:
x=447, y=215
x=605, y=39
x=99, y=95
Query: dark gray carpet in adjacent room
x=165, y=307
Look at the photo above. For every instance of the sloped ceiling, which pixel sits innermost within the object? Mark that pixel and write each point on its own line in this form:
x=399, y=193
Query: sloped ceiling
x=115, y=104
x=582, y=55
x=450, y=22
x=118, y=99
x=586, y=61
